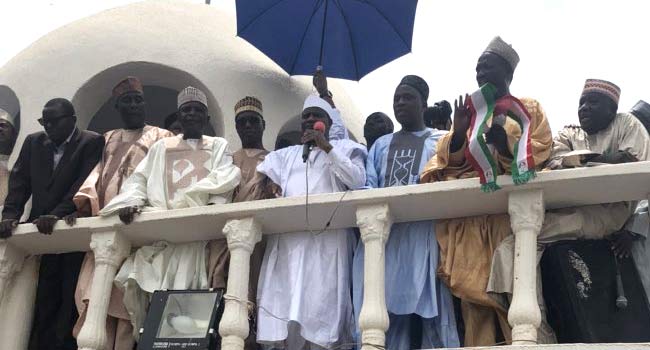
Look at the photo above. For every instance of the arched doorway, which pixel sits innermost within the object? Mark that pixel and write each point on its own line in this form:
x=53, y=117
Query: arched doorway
x=95, y=105
x=161, y=102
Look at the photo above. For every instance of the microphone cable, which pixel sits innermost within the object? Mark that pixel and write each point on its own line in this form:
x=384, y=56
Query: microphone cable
x=338, y=204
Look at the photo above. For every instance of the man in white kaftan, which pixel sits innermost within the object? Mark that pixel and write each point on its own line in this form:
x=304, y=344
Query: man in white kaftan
x=304, y=288
x=187, y=170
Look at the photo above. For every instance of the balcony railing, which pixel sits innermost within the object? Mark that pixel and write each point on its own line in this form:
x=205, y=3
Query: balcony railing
x=373, y=211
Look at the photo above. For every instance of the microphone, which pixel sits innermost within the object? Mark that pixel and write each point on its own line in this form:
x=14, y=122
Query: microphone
x=306, y=148
x=621, y=300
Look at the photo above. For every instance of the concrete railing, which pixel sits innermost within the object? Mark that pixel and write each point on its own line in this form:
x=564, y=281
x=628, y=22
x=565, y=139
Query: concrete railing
x=373, y=211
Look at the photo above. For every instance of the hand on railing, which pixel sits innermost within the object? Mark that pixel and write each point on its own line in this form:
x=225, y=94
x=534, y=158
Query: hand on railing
x=127, y=214
x=71, y=219
x=45, y=223
x=6, y=227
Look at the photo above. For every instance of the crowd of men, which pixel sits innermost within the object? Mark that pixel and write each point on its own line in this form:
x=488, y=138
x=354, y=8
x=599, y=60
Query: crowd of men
x=448, y=282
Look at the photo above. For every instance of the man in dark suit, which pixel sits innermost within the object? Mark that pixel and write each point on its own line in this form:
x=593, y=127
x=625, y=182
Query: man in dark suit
x=50, y=168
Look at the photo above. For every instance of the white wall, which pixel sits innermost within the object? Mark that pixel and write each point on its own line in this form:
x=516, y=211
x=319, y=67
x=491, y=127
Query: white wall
x=169, y=44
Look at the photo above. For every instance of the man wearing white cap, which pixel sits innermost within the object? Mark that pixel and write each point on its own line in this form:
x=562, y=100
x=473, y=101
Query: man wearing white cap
x=187, y=170
x=304, y=287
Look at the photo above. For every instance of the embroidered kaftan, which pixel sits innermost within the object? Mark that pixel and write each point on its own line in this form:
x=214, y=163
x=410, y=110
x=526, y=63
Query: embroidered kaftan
x=176, y=173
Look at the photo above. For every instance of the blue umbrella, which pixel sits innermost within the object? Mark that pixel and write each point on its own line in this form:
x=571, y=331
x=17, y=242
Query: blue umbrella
x=348, y=38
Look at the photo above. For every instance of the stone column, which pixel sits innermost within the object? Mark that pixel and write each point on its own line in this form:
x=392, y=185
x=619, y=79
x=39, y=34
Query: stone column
x=11, y=261
x=242, y=235
x=526, y=209
x=19, y=277
x=374, y=222
x=110, y=248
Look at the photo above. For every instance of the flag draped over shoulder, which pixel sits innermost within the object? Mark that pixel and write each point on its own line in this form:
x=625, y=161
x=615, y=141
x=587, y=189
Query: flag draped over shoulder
x=485, y=111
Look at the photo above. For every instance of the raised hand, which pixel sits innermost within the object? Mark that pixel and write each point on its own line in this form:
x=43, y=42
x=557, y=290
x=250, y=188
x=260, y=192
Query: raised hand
x=462, y=117
x=462, y=120
x=127, y=214
x=320, y=82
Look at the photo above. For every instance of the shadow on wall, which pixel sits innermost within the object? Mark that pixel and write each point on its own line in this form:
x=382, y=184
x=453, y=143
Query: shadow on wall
x=95, y=106
x=9, y=102
x=161, y=102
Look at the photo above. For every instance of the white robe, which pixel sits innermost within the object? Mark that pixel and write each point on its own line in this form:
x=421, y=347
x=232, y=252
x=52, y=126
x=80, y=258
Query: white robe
x=176, y=173
x=304, y=287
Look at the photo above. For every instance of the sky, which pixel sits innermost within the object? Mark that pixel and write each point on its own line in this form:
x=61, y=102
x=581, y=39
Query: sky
x=560, y=43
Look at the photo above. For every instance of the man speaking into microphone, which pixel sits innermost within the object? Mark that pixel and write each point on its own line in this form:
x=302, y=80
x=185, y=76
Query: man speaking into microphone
x=304, y=287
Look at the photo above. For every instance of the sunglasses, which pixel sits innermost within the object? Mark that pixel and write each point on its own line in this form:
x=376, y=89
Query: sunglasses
x=52, y=120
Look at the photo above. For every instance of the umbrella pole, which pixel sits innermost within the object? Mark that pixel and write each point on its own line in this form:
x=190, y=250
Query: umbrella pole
x=322, y=37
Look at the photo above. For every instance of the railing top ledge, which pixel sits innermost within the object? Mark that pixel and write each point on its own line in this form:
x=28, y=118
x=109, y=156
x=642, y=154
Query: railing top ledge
x=458, y=198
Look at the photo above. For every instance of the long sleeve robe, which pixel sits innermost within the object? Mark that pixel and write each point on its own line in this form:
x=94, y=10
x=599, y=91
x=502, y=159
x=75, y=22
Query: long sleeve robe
x=625, y=133
x=411, y=250
x=305, y=277
x=123, y=151
x=253, y=186
x=467, y=244
x=176, y=173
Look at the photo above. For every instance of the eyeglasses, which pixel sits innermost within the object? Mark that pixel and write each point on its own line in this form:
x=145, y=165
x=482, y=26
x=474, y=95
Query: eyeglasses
x=52, y=120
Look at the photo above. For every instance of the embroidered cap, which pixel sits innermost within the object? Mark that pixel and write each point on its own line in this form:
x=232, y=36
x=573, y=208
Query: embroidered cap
x=127, y=85
x=504, y=50
x=192, y=94
x=249, y=103
x=604, y=87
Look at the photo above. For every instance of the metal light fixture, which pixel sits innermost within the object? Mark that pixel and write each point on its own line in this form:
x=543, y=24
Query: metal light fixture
x=182, y=319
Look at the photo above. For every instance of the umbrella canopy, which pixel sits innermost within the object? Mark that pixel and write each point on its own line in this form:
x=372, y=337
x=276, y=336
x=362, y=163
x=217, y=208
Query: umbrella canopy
x=348, y=38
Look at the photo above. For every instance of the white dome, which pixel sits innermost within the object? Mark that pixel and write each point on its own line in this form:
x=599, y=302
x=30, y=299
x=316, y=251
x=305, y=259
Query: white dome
x=170, y=44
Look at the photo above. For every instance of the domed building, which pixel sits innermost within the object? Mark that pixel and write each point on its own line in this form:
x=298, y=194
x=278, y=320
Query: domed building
x=168, y=45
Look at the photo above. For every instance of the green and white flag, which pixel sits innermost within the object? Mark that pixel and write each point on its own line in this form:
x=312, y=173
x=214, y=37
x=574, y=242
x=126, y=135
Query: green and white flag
x=484, y=108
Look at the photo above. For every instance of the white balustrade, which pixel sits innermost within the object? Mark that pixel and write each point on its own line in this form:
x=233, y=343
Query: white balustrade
x=17, y=306
x=526, y=209
x=242, y=235
x=11, y=261
x=451, y=199
x=374, y=222
x=110, y=249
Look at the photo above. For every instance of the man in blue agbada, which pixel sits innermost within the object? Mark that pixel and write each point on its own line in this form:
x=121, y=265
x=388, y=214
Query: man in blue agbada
x=420, y=307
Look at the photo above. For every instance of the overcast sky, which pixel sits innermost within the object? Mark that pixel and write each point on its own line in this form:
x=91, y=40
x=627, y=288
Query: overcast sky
x=560, y=42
